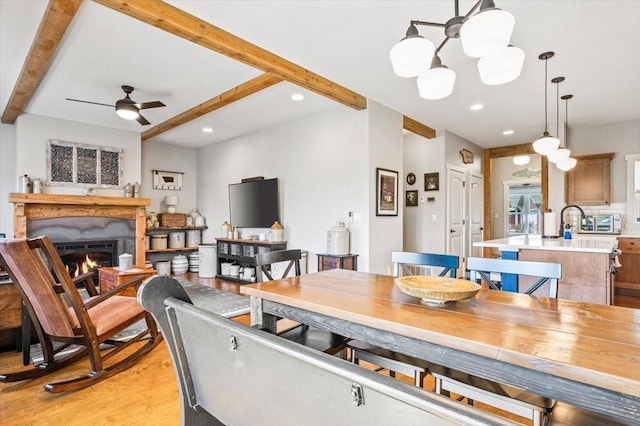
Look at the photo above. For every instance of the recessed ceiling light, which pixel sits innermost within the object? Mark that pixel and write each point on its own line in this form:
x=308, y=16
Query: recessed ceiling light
x=297, y=97
x=507, y=132
x=207, y=130
x=476, y=107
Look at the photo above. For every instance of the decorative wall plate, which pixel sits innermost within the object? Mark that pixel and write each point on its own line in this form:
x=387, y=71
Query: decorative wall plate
x=467, y=156
x=411, y=178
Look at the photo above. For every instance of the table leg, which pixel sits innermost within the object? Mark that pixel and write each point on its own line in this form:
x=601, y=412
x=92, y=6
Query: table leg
x=259, y=319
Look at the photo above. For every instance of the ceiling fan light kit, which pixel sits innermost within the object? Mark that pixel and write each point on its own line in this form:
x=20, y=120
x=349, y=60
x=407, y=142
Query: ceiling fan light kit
x=484, y=35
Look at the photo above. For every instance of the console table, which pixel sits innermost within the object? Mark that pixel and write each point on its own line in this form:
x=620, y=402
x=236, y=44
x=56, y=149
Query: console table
x=242, y=253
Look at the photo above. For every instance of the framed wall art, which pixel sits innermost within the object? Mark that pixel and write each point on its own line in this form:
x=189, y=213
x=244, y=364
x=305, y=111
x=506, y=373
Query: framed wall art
x=411, y=198
x=432, y=181
x=75, y=164
x=386, y=192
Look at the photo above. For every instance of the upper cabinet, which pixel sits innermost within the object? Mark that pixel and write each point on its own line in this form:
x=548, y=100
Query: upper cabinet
x=587, y=184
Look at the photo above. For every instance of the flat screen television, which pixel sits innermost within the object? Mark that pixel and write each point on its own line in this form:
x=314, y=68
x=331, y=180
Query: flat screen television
x=254, y=204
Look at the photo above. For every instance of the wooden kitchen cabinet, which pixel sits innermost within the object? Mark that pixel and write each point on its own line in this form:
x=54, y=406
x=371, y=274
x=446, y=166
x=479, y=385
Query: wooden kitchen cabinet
x=587, y=184
x=628, y=275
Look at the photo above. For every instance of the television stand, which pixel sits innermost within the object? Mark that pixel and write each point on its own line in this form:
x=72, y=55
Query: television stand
x=242, y=253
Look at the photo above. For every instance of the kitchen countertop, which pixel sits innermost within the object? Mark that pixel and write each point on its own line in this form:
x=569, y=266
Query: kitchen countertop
x=579, y=243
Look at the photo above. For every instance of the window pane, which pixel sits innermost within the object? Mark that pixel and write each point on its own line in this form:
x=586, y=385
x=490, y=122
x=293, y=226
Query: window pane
x=61, y=163
x=110, y=168
x=87, y=162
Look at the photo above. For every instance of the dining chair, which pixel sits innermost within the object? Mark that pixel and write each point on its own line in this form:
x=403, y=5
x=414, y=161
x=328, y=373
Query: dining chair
x=324, y=341
x=62, y=319
x=404, y=263
x=517, y=401
x=480, y=269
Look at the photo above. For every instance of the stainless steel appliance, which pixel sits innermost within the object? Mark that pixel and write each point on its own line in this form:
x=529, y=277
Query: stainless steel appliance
x=602, y=224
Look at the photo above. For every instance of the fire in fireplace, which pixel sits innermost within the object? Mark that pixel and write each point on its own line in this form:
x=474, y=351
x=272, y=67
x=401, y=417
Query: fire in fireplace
x=83, y=256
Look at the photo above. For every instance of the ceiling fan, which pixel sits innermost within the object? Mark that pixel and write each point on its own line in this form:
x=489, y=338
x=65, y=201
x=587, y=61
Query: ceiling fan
x=126, y=107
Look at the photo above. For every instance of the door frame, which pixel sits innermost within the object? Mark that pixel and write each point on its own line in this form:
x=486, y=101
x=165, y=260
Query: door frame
x=509, y=151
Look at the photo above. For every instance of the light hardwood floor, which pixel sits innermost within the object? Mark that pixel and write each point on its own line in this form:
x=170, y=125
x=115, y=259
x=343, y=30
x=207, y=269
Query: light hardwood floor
x=144, y=394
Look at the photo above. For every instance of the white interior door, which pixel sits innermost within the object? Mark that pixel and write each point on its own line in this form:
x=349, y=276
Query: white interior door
x=476, y=215
x=456, y=181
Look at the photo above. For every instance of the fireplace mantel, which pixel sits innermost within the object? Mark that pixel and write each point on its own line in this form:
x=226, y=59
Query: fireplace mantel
x=29, y=207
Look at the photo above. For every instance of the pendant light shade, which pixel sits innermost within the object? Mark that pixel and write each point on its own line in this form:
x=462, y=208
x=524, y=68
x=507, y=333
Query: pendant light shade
x=501, y=67
x=521, y=160
x=487, y=31
x=410, y=56
x=558, y=155
x=437, y=82
x=566, y=164
x=546, y=144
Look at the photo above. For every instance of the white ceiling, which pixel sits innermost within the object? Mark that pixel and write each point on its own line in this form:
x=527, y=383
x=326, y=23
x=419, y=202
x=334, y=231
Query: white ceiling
x=597, y=45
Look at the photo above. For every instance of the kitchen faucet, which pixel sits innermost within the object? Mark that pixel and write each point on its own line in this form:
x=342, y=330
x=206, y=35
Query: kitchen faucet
x=584, y=217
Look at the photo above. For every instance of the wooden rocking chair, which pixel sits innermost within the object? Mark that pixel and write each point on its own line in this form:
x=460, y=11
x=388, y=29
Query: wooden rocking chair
x=61, y=316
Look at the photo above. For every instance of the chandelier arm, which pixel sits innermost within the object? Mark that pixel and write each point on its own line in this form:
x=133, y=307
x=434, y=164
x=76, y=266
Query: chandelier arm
x=446, y=39
x=430, y=24
x=470, y=12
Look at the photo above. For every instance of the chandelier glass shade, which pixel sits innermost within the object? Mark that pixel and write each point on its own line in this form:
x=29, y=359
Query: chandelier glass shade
x=502, y=66
x=486, y=32
x=521, y=160
x=484, y=35
x=437, y=82
x=410, y=56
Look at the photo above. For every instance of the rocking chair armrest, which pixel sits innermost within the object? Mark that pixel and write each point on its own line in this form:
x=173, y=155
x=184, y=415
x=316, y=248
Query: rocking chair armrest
x=86, y=280
x=135, y=280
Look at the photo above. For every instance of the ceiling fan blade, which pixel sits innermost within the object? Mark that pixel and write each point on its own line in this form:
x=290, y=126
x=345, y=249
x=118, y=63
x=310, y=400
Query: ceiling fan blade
x=89, y=102
x=146, y=105
x=142, y=120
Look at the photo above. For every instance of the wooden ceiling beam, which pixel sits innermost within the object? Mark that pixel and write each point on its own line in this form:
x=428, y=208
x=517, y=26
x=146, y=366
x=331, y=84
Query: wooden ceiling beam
x=182, y=24
x=418, y=128
x=245, y=89
x=53, y=26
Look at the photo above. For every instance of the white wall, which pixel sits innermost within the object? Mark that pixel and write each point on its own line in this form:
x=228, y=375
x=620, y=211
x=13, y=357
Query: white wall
x=33, y=132
x=421, y=232
x=8, y=176
x=621, y=138
x=172, y=158
x=385, y=151
x=321, y=164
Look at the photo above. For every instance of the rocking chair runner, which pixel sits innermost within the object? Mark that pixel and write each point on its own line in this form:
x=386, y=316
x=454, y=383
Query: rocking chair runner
x=60, y=315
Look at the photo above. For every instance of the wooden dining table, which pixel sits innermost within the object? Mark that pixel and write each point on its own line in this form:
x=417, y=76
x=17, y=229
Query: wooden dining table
x=586, y=355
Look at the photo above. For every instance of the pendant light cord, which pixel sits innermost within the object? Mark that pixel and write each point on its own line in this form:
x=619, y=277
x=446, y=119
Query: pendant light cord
x=546, y=126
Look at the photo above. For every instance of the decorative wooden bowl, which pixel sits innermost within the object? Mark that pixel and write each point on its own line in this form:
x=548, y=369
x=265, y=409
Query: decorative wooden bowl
x=434, y=290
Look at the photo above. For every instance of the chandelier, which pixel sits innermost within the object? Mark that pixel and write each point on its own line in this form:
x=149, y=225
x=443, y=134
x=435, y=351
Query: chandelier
x=484, y=35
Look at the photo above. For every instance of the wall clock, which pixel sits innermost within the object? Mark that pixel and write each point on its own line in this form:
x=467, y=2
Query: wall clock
x=411, y=178
x=467, y=156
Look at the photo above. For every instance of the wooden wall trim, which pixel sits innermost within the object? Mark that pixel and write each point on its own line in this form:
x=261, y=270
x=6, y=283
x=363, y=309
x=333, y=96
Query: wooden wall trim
x=52, y=28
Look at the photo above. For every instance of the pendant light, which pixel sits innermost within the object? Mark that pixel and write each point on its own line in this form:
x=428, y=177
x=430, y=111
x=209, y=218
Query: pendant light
x=487, y=31
x=521, y=160
x=569, y=162
x=501, y=67
x=546, y=144
x=560, y=153
x=437, y=82
x=410, y=56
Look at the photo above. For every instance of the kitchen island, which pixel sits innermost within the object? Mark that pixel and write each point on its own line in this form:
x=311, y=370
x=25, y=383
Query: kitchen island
x=586, y=263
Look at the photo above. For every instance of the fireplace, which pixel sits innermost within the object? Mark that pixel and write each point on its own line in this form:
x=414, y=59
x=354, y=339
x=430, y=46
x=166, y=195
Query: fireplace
x=82, y=256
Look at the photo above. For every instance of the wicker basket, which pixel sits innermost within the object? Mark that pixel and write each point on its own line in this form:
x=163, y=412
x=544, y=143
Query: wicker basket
x=170, y=220
x=437, y=290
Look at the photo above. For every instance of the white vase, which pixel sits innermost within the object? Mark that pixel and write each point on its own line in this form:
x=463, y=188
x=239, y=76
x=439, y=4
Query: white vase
x=179, y=264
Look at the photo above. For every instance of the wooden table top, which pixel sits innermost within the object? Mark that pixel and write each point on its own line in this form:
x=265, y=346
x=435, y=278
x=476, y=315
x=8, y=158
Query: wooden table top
x=588, y=343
